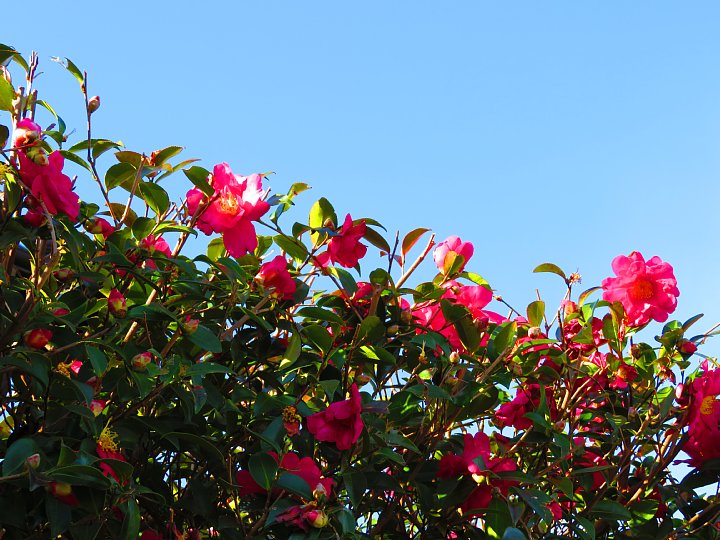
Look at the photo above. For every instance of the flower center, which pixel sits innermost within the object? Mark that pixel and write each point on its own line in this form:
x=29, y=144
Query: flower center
x=643, y=290
x=707, y=405
x=227, y=203
x=107, y=441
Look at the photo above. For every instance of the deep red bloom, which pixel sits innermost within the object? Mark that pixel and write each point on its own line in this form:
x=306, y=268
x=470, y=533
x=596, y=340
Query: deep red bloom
x=345, y=249
x=646, y=290
x=340, y=423
x=62, y=492
x=109, y=454
x=305, y=468
x=527, y=399
x=150, y=534
x=274, y=275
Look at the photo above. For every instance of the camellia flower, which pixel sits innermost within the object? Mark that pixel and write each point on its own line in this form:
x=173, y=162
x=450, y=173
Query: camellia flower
x=646, y=290
x=140, y=361
x=48, y=184
x=340, y=423
x=274, y=275
x=107, y=448
x=476, y=461
x=305, y=468
x=37, y=338
x=62, y=492
x=117, y=305
x=526, y=400
x=236, y=203
x=448, y=251
x=154, y=245
x=703, y=417
x=345, y=249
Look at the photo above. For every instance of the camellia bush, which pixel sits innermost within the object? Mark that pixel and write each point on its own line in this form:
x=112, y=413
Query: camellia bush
x=267, y=388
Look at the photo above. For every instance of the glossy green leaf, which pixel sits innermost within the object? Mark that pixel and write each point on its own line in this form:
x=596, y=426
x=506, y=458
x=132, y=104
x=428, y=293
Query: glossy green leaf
x=263, y=468
x=551, y=268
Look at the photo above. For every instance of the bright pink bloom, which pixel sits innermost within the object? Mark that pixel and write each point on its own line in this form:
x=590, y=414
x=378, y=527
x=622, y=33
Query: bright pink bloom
x=117, y=305
x=448, y=251
x=340, y=423
x=526, y=400
x=236, y=203
x=97, y=406
x=703, y=418
x=274, y=275
x=48, y=184
x=38, y=338
x=26, y=133
x=646, y=290
x=345, y=249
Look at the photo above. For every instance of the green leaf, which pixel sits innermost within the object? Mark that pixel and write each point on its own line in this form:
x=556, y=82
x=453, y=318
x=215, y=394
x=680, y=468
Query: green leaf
x=374, y=237
x=497, y=519
x=131, y=522
x=206, y=340
x=609, y=510
x=501, y=339
x=371, y=329
x=80, y=475
x=584, y=295
x=142, y=227
x=98, y=360
x=199, y=177
x=346, y=279
x=75, y=159
x=536, y=312
x=320, y=314
x=155, y=196
x=59, y=515
x=294, y=484
x=7, y=94
x=16, y=455
x=72, y=68
x=166, y=153
x=692, y=320
x=292, y=247
x=321, y=212
x=263, y=468
x=411, y=239
x=120, y=174
x=355, y=484
x=551, y=268
x=319, y=337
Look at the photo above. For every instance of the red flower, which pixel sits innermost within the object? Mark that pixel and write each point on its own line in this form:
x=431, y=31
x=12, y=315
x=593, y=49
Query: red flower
x=703, y=441
x=305, y=468
x=99, y=226
x=340, y=423
x=62, y=492
x=109, y=454
x=345, y=249
x=26, y=133
x=154, y=245
x=646, y=290
x=526, y=400
x=274, y=275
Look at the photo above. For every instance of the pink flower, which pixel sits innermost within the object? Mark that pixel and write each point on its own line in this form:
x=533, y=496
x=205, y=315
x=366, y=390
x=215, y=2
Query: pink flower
x=345, y=249
x=274, y=275
x=34, y=217
x=526, y=400
x=236, y=203
x=448, y=251
x=26, y=133
x=646, y=290
x=703, y=441
x=48, y=184
x=117, y=304
x=340, y=423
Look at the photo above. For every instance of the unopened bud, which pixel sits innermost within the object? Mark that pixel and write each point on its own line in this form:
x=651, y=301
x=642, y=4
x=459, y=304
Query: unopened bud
x=38, y=156
x=534, y=332
x=37, y=338
x=140, y=361
x=190, y=325
x=64, y=275
x=636, y=351
x=361, y=379
x=117, y=304
x=687, y=347
x=320, y=493
x=93, y=104
x=33, y=461
x=329, y=223
x=393, y=329
x=454, y=357
x=317, y=518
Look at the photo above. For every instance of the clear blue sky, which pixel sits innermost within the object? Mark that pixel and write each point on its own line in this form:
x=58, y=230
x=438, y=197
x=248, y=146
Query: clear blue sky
x=567, y=132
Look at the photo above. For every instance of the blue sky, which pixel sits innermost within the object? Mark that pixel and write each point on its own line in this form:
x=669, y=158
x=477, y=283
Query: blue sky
x=541, y=131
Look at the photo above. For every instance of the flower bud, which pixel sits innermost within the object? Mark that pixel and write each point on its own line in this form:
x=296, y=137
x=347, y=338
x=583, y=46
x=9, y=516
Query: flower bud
x=140, y=361
x=93, y=104
x=687, y=347
x=534, y=332
x=99, y=226
x=317, y=518
x=361, y=379
x=320, y=493
x=117, y=305
x=190, y=325
x=64, y=275
x=33, y=461
x=454, y=357
x=60, y=312
x=97, y=406
x=38, y=156
x=26, y=133
x=37, y=338
x=328, y=223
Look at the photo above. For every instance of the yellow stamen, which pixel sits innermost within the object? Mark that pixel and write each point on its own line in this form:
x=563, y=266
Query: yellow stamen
x=707, y=405
x=107, y=441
